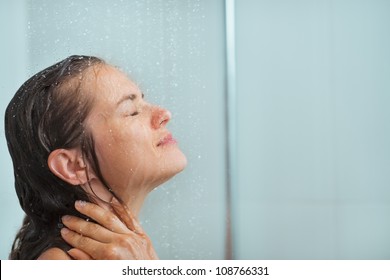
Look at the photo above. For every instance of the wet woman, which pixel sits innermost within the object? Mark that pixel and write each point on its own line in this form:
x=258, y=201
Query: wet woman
x=87, y=148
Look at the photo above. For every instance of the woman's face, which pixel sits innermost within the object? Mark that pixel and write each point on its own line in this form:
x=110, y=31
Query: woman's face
x=133, y=145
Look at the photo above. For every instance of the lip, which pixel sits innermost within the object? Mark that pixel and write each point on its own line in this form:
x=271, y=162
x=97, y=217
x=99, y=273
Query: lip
x=166, y=140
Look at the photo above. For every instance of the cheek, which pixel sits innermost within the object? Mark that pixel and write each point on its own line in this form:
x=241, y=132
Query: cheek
x=125, y=147
x=135, y=140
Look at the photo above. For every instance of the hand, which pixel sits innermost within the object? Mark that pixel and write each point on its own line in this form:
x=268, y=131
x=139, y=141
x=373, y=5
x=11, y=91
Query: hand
x=116, y=235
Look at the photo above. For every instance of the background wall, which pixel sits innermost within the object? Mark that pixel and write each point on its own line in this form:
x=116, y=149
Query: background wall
x=13, y=72
x=313, y=121
x=313, y=129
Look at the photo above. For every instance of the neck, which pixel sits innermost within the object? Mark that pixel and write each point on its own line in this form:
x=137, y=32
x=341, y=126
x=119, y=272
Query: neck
x=135, y=200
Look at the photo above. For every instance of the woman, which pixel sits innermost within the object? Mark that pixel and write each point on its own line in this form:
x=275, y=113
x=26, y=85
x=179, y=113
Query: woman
x=87, y=149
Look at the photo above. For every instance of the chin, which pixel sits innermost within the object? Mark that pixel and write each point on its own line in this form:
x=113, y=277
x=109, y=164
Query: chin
x=181, y=162
x=172, y=167
x=177, y=164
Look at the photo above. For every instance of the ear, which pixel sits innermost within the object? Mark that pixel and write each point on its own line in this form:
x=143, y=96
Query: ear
x=68, y=165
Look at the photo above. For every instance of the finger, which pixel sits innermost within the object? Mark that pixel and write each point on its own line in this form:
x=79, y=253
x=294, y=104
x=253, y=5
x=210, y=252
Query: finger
x=102, y=216
x=126, y=216
x=81, y=242
x=89, y=229
x=77, y=254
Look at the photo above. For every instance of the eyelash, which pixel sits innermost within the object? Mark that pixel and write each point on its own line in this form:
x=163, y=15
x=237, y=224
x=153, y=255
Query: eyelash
x=132, y=114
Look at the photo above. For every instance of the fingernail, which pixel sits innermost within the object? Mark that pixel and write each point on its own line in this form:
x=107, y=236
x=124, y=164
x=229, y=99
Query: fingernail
x=65, y=218
x=65, y=231
x=80, y=203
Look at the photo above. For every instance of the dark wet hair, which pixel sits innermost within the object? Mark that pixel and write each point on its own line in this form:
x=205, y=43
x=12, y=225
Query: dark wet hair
x=48, y=112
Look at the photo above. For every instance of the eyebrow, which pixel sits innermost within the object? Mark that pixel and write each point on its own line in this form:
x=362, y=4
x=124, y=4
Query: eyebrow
x=129, y=97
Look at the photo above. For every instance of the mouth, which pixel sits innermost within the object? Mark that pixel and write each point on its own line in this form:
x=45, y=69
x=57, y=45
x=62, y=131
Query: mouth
x=166, y=140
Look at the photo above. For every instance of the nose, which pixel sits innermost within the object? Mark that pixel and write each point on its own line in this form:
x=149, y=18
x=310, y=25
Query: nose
x=160, y=117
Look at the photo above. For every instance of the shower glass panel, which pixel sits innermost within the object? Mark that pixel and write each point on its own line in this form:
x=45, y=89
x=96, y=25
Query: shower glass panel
x=174, y=50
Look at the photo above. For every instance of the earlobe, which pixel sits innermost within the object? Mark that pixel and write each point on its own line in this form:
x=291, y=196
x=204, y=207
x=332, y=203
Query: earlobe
x=68, y=165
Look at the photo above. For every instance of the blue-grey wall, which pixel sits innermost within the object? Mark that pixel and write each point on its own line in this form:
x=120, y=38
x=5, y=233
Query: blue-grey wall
x=313, y=129
x=13, y=72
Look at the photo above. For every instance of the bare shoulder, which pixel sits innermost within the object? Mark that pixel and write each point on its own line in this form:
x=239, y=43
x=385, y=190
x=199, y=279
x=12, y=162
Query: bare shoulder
x=54, y=254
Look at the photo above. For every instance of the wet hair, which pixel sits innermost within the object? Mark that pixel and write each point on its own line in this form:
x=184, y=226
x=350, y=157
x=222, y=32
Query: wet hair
x=48, y=112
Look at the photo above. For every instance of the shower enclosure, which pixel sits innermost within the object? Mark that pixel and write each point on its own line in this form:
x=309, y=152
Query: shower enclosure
x=282, y=108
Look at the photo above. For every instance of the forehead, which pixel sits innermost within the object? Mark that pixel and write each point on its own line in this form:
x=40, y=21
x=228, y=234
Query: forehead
x=108, y=84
